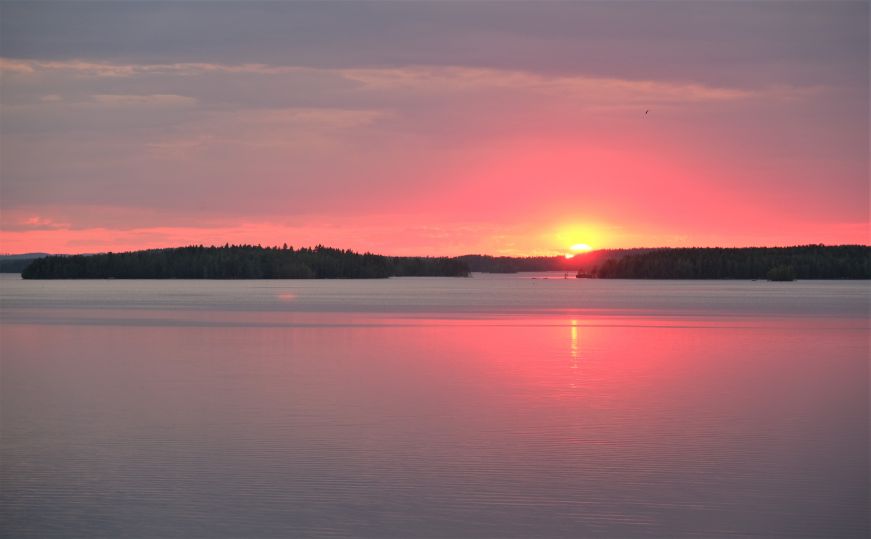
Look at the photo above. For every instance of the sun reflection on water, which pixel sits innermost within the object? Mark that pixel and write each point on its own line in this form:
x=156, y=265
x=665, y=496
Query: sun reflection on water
x=574, y=344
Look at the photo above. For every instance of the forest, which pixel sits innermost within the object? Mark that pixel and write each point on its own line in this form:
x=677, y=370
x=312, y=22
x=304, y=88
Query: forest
x=240, y=262
x=513, y=264
x=256, y=262
x=773, y=263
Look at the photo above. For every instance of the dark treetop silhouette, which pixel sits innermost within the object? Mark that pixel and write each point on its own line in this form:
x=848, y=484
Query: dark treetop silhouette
x=240, y=262
x=255, y=262
x=774, y=263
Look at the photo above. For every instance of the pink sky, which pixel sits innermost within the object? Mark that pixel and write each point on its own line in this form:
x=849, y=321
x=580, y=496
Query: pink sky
x=447, y=131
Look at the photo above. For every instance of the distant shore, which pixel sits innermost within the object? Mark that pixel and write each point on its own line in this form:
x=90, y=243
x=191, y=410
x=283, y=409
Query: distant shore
x=256, y=262
x=241, y=262
x=771, y=263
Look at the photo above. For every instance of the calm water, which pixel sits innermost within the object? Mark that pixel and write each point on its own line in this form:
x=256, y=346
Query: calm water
x=495, y=406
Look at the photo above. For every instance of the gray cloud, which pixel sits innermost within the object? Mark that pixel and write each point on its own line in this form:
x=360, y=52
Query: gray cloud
x=729, y=43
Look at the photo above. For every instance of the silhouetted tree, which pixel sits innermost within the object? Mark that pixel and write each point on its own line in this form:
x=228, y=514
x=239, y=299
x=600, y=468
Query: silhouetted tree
x=240, y=262
x=787, y=263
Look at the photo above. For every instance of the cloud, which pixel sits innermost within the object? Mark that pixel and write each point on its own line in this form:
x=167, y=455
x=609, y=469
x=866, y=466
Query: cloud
x=316, y=118
x=88, y=68
x=720, y=43
x=37, y=222
x=284, y=129
x=176, y=83
x=453, y=80
x=422, y=80
x=8, y=65
x=150, y=100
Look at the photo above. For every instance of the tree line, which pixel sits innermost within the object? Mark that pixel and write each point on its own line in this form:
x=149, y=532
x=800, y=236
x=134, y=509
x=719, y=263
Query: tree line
x=240, y=262
x=515, y=264
x=774, y=263
x=256, y=262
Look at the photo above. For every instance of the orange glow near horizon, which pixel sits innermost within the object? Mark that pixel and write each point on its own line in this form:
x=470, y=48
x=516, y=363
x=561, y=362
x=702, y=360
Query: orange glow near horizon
x=384, y=237
x=486, y=206
x=486, y=203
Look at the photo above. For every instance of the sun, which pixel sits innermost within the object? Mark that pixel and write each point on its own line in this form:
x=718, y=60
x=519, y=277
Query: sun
x=575, y=239
x=581, y=248
x=578, y=248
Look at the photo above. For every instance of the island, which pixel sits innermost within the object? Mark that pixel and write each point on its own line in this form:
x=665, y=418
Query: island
x=761, y=263
x=241, y=262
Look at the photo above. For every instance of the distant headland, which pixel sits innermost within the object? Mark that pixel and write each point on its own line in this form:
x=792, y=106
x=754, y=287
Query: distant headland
x=771, y=263
x=241, y=262
x=256, y=262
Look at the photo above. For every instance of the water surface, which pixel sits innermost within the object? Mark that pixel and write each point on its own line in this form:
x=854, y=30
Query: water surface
x=495, y=406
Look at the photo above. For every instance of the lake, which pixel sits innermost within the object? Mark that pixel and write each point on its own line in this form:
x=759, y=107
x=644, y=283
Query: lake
x=492, y=406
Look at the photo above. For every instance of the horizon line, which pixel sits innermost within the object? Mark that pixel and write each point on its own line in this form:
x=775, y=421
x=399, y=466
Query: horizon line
x=557, y=255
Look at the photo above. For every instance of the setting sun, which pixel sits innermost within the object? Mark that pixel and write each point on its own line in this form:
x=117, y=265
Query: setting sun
x=580, y=237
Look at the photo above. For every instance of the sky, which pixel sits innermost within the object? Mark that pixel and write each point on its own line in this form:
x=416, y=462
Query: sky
x=433, y=128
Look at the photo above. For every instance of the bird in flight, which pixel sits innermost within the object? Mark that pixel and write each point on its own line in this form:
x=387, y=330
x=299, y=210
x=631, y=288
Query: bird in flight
x=646, y=111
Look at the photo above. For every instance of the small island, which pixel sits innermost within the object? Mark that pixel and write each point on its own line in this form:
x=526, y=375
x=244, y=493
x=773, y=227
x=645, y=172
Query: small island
x=241, y=262
x=759, y=263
